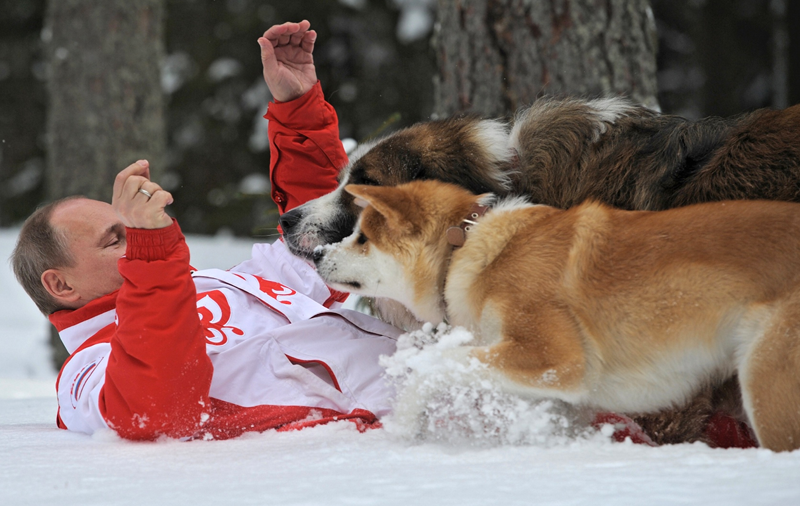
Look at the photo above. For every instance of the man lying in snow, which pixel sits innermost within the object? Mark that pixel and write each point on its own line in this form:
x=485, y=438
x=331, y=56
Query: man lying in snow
x=158, y=349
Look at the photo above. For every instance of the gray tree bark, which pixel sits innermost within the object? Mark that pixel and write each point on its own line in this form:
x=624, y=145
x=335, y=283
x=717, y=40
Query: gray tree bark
x=496, y=56
x=105, y=101
x=106, y=105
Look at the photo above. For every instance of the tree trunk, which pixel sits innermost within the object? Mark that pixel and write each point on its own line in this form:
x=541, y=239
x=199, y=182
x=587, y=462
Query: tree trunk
x=496, y=56
x=780, y=55
x=106, y=106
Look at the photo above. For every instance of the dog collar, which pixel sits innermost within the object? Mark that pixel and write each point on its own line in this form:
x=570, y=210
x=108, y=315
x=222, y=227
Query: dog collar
x=458, y=235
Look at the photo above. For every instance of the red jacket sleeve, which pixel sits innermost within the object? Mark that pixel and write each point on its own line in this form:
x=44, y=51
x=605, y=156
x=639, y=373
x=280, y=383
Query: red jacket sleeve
x=305, y=151
x=159, y=374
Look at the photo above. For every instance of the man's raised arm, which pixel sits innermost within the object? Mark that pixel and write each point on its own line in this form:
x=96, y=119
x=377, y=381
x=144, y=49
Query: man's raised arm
x=158, y=375
x=305, y=151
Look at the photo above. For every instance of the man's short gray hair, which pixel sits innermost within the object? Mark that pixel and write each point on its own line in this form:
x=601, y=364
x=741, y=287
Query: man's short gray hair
x=40, y=246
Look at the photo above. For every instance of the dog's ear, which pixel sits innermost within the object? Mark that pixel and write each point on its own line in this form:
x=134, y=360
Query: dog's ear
x=391, y=202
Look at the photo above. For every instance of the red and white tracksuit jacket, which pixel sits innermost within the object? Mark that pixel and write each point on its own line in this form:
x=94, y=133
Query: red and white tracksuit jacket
x=216, y=353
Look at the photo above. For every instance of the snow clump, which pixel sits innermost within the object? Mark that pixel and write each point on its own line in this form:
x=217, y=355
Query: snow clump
x=443, y=397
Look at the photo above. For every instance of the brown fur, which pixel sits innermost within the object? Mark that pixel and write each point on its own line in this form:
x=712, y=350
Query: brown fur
x=621, y=310
x=648, y=161
x=563, y=152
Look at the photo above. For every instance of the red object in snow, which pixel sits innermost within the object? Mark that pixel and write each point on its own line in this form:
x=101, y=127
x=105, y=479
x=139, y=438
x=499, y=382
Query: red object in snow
x=722, y=431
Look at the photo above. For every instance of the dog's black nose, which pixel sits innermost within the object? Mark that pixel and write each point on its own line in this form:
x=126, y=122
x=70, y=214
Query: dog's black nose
x=289, y=220
x=318, y=254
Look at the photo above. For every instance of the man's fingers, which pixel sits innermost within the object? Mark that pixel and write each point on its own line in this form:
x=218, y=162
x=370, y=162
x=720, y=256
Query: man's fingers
x=297, y=38
x=139, y=169
x=130, y=188
x=161, y=198
x=282, y=34
x=308, y=41
x=287, y=59
x=153, y=214
x=148, y=189
x=145, y=212
x=137, y=187
x=138, y=201
x=278, y=31
x=268, y=59
x=284, y=39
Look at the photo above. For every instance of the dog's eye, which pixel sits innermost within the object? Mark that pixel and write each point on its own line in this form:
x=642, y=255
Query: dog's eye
x=361, y=238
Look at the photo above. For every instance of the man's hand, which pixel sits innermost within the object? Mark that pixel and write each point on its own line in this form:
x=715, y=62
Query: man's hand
x=286, y=55
x=131, y=201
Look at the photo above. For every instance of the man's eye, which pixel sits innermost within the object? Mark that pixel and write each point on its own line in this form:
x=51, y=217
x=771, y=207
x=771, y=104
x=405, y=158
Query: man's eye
x=361, y=238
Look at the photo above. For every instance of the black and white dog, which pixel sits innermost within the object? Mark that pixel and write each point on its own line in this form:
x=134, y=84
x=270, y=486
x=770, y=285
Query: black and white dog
x=562, y=152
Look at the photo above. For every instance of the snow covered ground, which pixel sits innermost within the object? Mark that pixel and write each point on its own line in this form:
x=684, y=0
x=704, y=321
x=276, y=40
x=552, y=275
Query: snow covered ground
x=334, y=464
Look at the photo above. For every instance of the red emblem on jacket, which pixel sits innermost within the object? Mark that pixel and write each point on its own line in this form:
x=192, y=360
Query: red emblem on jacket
x=214, y=312
x=274, y=289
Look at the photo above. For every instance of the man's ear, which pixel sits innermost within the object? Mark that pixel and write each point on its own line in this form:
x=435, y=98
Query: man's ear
x=395, y=204
x=56, y=284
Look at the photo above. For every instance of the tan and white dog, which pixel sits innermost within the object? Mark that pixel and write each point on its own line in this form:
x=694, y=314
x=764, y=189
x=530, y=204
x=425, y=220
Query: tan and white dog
x=626, y=311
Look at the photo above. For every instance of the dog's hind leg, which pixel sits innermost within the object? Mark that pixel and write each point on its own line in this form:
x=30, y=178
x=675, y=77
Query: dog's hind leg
x=770, y=380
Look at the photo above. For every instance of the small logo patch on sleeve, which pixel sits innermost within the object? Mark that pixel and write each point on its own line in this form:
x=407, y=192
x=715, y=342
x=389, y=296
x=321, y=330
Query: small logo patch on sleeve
x=80, y=381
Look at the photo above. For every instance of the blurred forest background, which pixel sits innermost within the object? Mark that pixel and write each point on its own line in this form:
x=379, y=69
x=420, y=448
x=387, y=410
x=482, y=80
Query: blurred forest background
x=376, y=65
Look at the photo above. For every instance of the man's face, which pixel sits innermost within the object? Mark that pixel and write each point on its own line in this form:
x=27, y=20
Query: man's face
x=96, y=239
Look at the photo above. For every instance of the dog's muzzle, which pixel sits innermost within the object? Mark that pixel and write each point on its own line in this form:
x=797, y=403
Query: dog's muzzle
x=289, y=220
